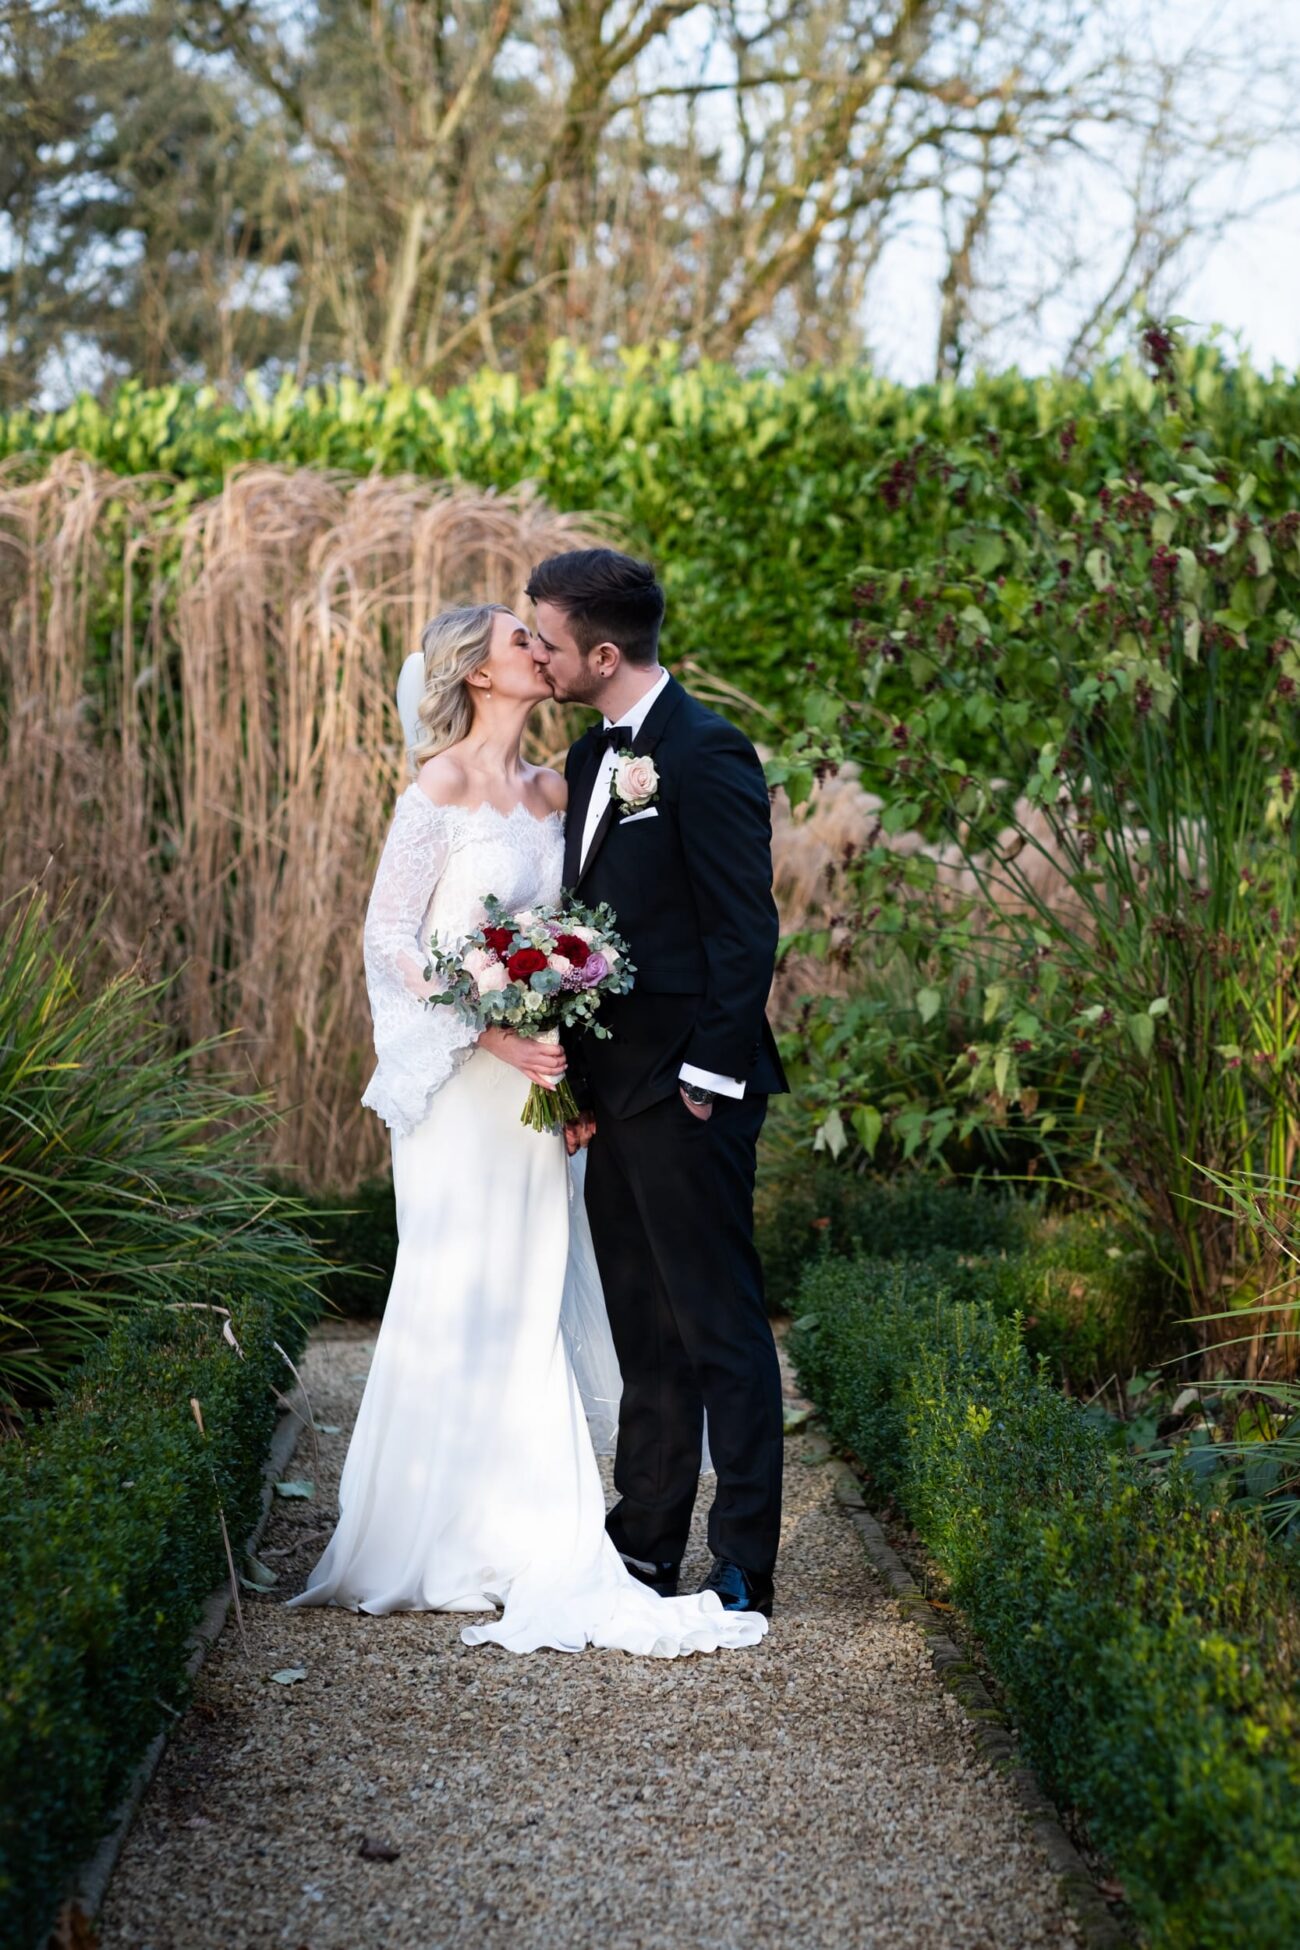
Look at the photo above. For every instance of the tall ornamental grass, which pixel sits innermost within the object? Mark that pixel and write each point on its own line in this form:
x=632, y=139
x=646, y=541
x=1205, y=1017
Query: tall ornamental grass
x=128, y=1179
x=197, y=717
x=1133, y=1020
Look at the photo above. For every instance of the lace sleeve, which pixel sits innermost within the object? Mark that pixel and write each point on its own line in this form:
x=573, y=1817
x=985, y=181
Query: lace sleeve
x=417, y=1047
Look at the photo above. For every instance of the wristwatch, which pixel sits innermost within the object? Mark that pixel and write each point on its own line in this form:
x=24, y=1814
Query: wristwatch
x=696, y=1094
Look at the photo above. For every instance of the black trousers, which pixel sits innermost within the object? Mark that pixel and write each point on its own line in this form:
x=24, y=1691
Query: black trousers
x=671, y=1204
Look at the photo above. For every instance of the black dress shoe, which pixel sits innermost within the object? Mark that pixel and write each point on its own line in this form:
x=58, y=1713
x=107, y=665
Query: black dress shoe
x=740, y=1590
x=660, y=1577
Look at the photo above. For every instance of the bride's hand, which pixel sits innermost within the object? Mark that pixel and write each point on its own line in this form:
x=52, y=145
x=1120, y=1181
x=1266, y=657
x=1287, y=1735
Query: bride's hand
x=543, y=1063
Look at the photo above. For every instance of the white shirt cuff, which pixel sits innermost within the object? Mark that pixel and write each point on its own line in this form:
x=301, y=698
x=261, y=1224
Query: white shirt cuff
x=706, y=1080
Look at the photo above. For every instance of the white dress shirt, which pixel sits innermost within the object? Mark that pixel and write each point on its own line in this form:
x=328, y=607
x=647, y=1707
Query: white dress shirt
x=634, y=719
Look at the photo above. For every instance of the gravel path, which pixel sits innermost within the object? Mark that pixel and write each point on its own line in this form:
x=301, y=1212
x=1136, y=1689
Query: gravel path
x=819, y=1790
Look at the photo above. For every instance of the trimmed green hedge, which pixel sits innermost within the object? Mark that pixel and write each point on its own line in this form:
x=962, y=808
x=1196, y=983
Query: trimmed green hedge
x=1146, y=1641
x=804, y=1212
x=110, y=1543
x=355, y=1235
x=759, y=495
x=1089, y=1301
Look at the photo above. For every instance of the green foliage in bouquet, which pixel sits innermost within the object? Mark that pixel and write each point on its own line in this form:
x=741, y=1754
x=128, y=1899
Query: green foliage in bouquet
x=128, y=1179
x=1106, y=922
x=504, y=974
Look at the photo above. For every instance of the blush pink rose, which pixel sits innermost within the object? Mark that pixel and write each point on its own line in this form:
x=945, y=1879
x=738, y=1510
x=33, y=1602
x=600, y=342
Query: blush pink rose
x=560, y=963
x=478, y=961
x=636, y=779
x=493, y=979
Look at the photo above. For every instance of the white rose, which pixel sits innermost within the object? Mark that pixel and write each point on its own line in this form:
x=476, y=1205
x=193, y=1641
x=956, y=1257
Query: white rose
x=526, y=920
x=611, y=955
x=493, y=979
x=478, y=961
x=635, y=779
x=560, y=963
x=584, y=934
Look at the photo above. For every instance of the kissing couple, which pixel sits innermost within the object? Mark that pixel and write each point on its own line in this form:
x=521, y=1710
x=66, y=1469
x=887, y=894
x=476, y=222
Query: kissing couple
x=529, y=1309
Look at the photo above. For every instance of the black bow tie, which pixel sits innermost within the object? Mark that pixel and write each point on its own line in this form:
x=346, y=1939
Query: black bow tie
x=614, y=736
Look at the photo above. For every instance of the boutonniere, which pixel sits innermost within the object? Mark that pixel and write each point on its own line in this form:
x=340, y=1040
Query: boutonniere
x=633, y=784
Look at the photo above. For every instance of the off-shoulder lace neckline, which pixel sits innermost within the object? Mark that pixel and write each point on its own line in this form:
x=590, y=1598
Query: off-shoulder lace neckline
x=484, y=805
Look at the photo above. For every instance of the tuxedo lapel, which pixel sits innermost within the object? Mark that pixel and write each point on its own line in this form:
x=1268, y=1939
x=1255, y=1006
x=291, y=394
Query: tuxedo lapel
x=643, y=744
x=575, y=821
x=597, y=838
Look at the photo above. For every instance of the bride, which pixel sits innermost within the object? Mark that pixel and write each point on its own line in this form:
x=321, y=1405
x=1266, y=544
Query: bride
x=471, y=1480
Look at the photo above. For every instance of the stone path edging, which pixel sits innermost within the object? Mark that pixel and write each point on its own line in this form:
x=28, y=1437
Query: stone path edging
x=88, y=1884
x=992, y=1731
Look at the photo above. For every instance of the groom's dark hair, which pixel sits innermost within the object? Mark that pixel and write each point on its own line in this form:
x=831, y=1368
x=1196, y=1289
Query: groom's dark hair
x=606, y=597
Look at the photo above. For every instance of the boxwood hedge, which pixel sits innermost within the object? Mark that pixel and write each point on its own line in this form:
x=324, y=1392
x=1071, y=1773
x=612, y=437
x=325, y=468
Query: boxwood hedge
x=1146, y=1641
x=110, y=1542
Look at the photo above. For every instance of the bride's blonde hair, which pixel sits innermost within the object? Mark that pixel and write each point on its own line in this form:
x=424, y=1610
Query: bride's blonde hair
x=454, y=645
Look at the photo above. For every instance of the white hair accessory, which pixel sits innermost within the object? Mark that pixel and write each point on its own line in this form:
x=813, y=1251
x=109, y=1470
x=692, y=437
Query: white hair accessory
x=410, y=689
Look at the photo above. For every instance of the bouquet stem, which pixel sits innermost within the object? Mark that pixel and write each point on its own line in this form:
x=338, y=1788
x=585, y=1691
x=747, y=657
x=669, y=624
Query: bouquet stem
x=546, y=1110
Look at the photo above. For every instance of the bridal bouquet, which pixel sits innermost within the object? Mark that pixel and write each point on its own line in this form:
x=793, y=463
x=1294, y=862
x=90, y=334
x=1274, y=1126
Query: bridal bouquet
x=536, y=972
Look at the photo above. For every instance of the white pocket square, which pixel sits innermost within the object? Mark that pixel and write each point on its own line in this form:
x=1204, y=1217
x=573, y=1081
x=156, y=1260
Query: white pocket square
x=630, y=819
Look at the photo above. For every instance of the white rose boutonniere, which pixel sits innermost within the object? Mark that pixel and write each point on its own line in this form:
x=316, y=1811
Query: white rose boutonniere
x=634, y=784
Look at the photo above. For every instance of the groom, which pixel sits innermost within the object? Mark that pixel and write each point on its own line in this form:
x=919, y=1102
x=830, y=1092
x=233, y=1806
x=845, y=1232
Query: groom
x=680, y=847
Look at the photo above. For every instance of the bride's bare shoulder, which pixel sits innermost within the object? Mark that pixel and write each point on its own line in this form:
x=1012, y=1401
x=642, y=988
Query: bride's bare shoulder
x=442, y=779
x=552, y=787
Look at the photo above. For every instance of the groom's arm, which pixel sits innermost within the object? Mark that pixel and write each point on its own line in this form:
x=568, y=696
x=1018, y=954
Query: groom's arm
x=726, y=837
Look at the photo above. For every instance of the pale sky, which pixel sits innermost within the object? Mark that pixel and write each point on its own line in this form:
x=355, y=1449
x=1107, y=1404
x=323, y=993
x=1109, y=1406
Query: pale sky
x=1246, y=281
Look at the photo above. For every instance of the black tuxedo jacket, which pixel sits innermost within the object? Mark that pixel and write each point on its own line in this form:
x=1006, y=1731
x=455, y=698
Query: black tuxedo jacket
x=692, y=890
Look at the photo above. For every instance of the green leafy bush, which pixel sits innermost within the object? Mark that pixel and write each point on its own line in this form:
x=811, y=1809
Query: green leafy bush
x=126, y=1175
x=1146, y=1640
x=806, y=1210
x=356, y=1238
x=758, y=495
x=1103, y=954
x=1090, y=1301
x=110, y=1540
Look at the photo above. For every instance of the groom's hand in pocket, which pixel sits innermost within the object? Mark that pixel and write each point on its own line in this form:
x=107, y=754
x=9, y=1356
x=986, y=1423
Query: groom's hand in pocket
x=578, y=1135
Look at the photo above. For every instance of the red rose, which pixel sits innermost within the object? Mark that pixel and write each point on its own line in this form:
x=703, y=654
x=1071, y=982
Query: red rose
x=498, y=939
x=528, y=961
x=573, y=948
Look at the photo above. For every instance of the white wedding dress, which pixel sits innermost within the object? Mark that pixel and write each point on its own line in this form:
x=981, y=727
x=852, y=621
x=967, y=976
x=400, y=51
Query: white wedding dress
x=471, y=1480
